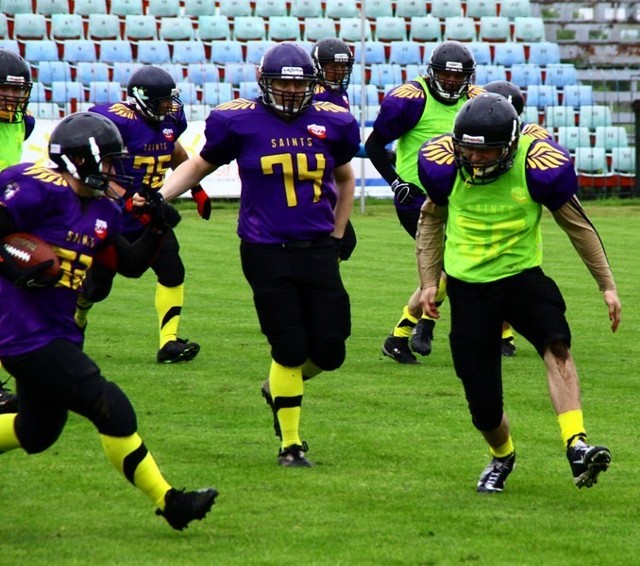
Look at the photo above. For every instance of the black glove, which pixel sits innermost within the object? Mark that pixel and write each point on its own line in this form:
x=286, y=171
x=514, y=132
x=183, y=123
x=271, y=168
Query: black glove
x=347, y=243
x=405, y=192
x=33, y=277
x=163, y=215
x=202, y=202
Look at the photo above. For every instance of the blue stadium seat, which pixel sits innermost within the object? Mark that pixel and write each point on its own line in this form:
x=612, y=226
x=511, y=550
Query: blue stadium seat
x=197, y=111
x=66, y=26
x=355, y=95
x=188, y=92
x=174, y=69
x=495, y=73
x=234, y=8
x=459, y=28
x=115, y=51
x=49, y=71
x=594, y=115
x=248, y=89
x=103, y=26
x=39, y=92
x=140, y=27
x=446, y=8
x=283, y=28
x=515, y=8
x=494, y=28
x=235, y=73
x=525, y=74
x=572, y=137
x=481, y=52
x=529, y=29
x=186, y=52
x=623, y=160
x=481, y=8
x=306, y=9
x=425, y=28
x=350, y=29
x=164, y=8
x=556, y=116
x=30, y=26
x=256, y=49
x=88, y=71
x=373, y=52
x=390, y=29
x=319, y=28
x=611, y=136
x=405, y=53
x=530, y=115
x=561, y=74
x=544, y=53
x=226, y=51
x=542, y=95
x=125, y=8
x=377, y=9
x=248, y=28
x=213, y=28
x=153, y=51
x=591, y=161
x=197, y=8
x=428, y=48
x=216, y=93
x=271, y=8
x=11, y=45
x=36, y=50
x=177, y=29
x=385, y=73
x=340, y=9
x=13, y=7
x=63, y=92
x=50, y=7
x=411, y=8
x=508, y=54
x=4, y=26
x=104, y=92
x=86, y=8
x=45, y=110
x=413, y=71
x=122, y=70
x=199, y=73
x=577, y=95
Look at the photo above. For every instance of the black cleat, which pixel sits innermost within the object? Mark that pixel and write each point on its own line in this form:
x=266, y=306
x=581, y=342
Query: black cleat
x=177, y=350
x=422, y=336
x=508, y=347
x=182, y=507
x=398, y=348
x=8, y=400
x=587, y=462
x=266, y=393
x=293, y=456
x=495, y=474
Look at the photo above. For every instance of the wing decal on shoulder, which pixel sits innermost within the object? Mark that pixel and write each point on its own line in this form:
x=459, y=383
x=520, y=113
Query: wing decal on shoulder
x=407, y=91
x=475, y=90
x=544, y=156
x=439, y=151
x=535, y=131
x=237, y=104
x=324, y=106
x=122, y=110
x=45, y=174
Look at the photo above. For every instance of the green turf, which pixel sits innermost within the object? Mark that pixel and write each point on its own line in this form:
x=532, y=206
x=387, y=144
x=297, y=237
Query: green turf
x=396, y=458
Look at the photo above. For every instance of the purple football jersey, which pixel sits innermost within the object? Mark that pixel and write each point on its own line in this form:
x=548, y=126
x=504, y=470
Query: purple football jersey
x=41, y=202
x=286, y=167
x=152, y=144
x=400, y=110
x=325, y=95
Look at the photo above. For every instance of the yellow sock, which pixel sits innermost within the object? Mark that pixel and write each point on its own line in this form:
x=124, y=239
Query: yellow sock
x=309, y=370
x=8, y=439
x=571, y=427
x=405, y=325
x=169, y=301
x=507, y=333
x=504, y=450
x=131, y=458
x=287, y=390
x=83, y=306
x=441, y=295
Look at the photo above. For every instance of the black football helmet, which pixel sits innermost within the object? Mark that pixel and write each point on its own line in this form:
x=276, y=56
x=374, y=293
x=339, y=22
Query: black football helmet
x=81, y=142
x=287, y=62
x=510, y=91
x=450, y=69
x=153, y=92
x=15, y=86
x=487, y=121
x=336, y=52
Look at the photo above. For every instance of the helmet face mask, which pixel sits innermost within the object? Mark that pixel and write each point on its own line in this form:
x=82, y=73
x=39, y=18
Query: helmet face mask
x=287, y=79
x=485, y=139
x=334, y=62
x=450, y=70
x=154, y=94
x=15, y=87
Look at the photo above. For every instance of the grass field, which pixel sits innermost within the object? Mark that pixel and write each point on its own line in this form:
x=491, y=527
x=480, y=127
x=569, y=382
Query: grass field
x=396, y=458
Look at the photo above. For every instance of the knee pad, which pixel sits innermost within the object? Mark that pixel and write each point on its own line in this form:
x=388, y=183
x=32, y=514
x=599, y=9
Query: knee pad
x=168, y=265
x=330, y=354
x=290, y=349
x=486, y=418
x=37, y=437
x=112, y=412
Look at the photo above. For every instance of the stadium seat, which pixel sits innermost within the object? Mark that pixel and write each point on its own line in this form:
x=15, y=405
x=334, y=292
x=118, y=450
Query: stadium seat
x=544, y=53
x=103, y=26
x=413, y=71
x=186, y=52
x=480, y=76
x=561, y=74
x=10, y=45
x=88, y=71
x=405, y=53
x=350, y=29
x=153, y=52
x=577, y=95
x=63, y=92
x=373, y=52
x=556, y=116
x=515, y=8
x=234, y=8
x=39, y=92
x=104, y=92
x=390, y=29
x=213, y=28
x=115, y=51
x=385, y=73
x=611, y=136
x=197, y=8
x=591, y=161
x=67, y=26
x=140, y=28
x=425, y=28
x=481, y=52
x=248, y=89
x=271, y=8
x=525, y=74
x=481, y=8
x=13, y=7
x=357, y=75
x=29, y=26
x=494, y=28
x=542, y=95
x=623, y=160
x=216, y=93
x=319, y=28
x=446, y=9
x=355, y=95
x=49, y=71
x=86, y=8
x=226, y=51
x=235, y=73
x=188, y=92
x=4, y=26
x=122, y=70
x=45, y=110
x=340, y=9
x=572, y=137
x=176, y=29
x=256, y=49
x=174, y=69
x=163, y=8
x=530, y=115
x=411, y=8
x=283, y=28
x=528, y=29
x=197, y=111
x=508, y=54
x=459, y=28
x=594, y=115
x=377, y=9
x=50, y=7
x=249, y=27
x=125, y=8
x=36, y=50
x=428, y=48
x=306, y=9
x=199, y=73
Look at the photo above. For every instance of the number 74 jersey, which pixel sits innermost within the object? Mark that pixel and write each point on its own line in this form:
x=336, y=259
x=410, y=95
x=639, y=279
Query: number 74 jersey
x=286, y=166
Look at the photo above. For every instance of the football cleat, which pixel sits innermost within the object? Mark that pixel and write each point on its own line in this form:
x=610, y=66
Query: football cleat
x=266, y=393
x=178, y=350
x=495, y=474
x=397, y=348
x=293, y=456
x=182, y=507
x=8, y=400
x=508, y=347
x=422, y=336
x=587, y=462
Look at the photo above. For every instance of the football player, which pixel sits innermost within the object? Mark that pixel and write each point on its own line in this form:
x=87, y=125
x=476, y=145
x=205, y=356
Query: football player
x=297, y=193
x=418, y=110
x=487, y=185
x=40, y=344
x=150, y=122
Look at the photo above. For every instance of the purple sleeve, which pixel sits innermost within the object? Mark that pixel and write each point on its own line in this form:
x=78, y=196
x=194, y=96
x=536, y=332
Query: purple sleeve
x=349, y=143
x=29, y=125
x=219, y=147
x=400, y=111
x=437, y=168
x=551, y=177
x=23, y=197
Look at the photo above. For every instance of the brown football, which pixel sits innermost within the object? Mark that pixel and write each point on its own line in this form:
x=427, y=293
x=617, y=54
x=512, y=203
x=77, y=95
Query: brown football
x=28, y=250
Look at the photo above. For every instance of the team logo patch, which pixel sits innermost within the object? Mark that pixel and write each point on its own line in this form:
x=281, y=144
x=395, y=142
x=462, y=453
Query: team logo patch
x=317, y=131
x=100, y=229
x=11, y=190
x=169, y=134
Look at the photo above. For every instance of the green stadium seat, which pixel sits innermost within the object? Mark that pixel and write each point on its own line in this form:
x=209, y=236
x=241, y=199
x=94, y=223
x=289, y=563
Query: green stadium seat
x=176, y=29
x=249, y=27
x=611, y=136
x=515, y=8
x=494, y=28
x=30, y=26
x=459, y=28
x=319, y=28
x=103, y=26
x=446, y=9
x=374, y=9
x=86, y=8
x=234, y=8
x=123, y=8
x=271, y=8
x=140, y=27
x=306, y=9
x=50, y=7
x=425, y=28
x=12, y=7
x=529, y=29
x=411, y=8
x=481, y=8
x=591, y=161
x=283, y=28
x=391, y=29
x=556, y=116
x=66, y=26
x=213, y=28
x=572, y=137
x=350, y=29
x=594, y=115
x=340, y=9
x=164, y=8
x=197, y=8
x=623, y=160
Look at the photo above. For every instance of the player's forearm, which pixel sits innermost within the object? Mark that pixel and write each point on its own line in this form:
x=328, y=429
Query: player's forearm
x=187, y=175
x=585, y=239
x=345, y=188
x=430, y=243
x=377, y=153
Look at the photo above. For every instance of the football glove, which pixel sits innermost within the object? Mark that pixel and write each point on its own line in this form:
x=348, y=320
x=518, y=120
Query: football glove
x=405, y=192
x=202, y=202
x=347, y=243
x=27, y=277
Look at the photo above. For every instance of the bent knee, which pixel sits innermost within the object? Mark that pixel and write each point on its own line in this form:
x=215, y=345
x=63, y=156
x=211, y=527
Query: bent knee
x=559, y=350
x=330, y=355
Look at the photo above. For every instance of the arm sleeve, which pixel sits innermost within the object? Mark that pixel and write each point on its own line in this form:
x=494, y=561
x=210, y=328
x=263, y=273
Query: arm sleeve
x=377, y=153
x=430, y=243
x=585, y=239
x=132, y=259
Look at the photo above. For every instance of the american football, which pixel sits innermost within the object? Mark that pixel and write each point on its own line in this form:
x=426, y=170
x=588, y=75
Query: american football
x=28, y=250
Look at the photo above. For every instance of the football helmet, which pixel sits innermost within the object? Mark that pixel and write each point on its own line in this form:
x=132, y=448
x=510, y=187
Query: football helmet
x=487, y=121
x=291, y=69
x=449, y=71
x=80, y=144
x=153, y=92
x=15, y=86
x=334, y=52
x=510, y=91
